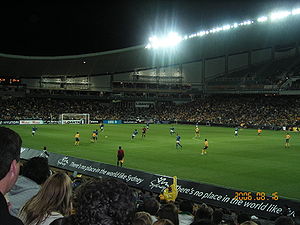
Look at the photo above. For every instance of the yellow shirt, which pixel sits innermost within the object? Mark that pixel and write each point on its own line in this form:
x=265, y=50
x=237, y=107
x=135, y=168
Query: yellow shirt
x=171, y=195
x=206, y=143
x=287, y=136
x=77, y=135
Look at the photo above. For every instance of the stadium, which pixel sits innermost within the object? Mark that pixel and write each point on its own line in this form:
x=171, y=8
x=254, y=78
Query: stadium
x=238, y=83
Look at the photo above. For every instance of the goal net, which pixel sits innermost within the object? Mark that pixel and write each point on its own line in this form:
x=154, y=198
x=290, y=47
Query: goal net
x=74, y=118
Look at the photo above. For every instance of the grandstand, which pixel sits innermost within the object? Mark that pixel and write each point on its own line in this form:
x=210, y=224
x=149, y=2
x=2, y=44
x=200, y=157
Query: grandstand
x=248, y=77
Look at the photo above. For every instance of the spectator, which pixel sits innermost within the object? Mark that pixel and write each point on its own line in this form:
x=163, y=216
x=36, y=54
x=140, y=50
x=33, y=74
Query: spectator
x=151, y=206
x=249, y=223
x=103, y=202
x=53, y=201
x=284, y=220
x=142, y=218
x=217, y=217
x=203, y=212
x=202, y=222
x=169, y=211
x=34, y=173
x=163, y=222
x=185, y=212
x=10, y=145
x=243, y=217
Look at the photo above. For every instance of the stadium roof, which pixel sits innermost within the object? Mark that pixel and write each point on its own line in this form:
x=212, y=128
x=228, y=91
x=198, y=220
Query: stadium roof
x=69, y=28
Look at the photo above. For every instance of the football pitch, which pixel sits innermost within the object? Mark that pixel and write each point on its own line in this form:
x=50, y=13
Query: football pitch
x=247, y=162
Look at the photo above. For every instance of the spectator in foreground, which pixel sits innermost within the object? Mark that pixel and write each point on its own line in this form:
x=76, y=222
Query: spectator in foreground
x=169, y=211
x=186, y=212
x=284, y=220
x=217, y=217
x=142, y=218
x=249, y=223
x=53, y=201
x=151, y=205
x=203, y=213
x=102, y=202
x=10, y=145
x=163, y=222
x=34, y=173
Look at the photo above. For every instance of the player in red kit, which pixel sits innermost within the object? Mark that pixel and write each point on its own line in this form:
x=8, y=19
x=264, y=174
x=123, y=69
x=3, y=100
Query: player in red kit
x=120, y=156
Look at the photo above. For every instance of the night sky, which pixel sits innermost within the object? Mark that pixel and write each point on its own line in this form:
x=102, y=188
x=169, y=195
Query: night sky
x=70, y=28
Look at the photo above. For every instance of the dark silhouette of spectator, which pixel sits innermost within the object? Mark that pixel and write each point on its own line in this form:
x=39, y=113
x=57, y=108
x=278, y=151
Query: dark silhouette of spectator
x=185, y=215
x=202, y=222
x=249, y=223
x=10, y=145
x=243, y=217
x=169, y=211
x=284, y=220
x=151, y=205
x=33, y=173
x=103, y=202
x=53, y=201
x=203, y=213
x=217, y=216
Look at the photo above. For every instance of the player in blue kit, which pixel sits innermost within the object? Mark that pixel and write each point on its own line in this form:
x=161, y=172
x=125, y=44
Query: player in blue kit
x=178, y=139
x=135, y=132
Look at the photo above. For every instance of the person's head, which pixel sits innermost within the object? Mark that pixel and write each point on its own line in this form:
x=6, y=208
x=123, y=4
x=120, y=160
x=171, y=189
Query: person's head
x=10, y=145
x=151, y=205
x=120, y=147
x=142, y=218
x=249, y=222
x=284, y=220
x=243, y=217
x=36, y=169
x=107, y=201
x=169, y=211
x=163, y=222
x=54, y=196
x=186, y=206
x=205, y=139
x=203, y=212
x=217, y=216
x=202, y=222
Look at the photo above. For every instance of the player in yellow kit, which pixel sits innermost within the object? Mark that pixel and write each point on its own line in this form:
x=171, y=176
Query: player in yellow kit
x=197, y=132
x=77, y=138
x=287, y=140
x=170, y=193
x=205, y=147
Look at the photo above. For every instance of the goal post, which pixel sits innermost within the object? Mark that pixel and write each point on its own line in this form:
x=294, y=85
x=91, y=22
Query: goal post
x=74, y=118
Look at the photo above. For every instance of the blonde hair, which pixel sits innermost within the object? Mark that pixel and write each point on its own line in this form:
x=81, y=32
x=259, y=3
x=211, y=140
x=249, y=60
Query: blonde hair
x=248, y=223
x=54, y=196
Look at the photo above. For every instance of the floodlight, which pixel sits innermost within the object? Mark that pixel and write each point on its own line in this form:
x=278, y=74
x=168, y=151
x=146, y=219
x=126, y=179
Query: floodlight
x=296, y=11
x=262, y=19
x=226, y=27
x=235, y=25
x=279, y=15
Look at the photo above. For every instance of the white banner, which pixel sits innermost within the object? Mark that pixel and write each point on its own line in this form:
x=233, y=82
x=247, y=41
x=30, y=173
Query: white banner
x=30, y=122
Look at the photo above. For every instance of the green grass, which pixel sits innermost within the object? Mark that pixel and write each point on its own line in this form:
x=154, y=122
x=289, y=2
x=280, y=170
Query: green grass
x=247, y=162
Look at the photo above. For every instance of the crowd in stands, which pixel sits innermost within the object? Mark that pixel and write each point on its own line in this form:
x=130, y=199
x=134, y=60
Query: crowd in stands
x=251, y=110
x=50, y=198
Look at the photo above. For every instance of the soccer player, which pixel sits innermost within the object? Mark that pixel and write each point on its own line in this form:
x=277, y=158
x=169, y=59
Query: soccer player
x=197, y=132
x=96, y=132
x=178, y=139
x=259, y=131
x=147, y=125
x=287, y=140
x=93, y=139
x=33, y=130
x=135, y=132
x=77, y=138
x=205, y=147
x=120, y=156
x=236, y=131
x=101, y=127
x=144, y=129
x=172, y=130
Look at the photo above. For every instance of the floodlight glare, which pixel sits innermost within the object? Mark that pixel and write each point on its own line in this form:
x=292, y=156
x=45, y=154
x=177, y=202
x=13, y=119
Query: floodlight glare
x=262, y=19
x=226, y=27
x=279, y=15
x=296, y=11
